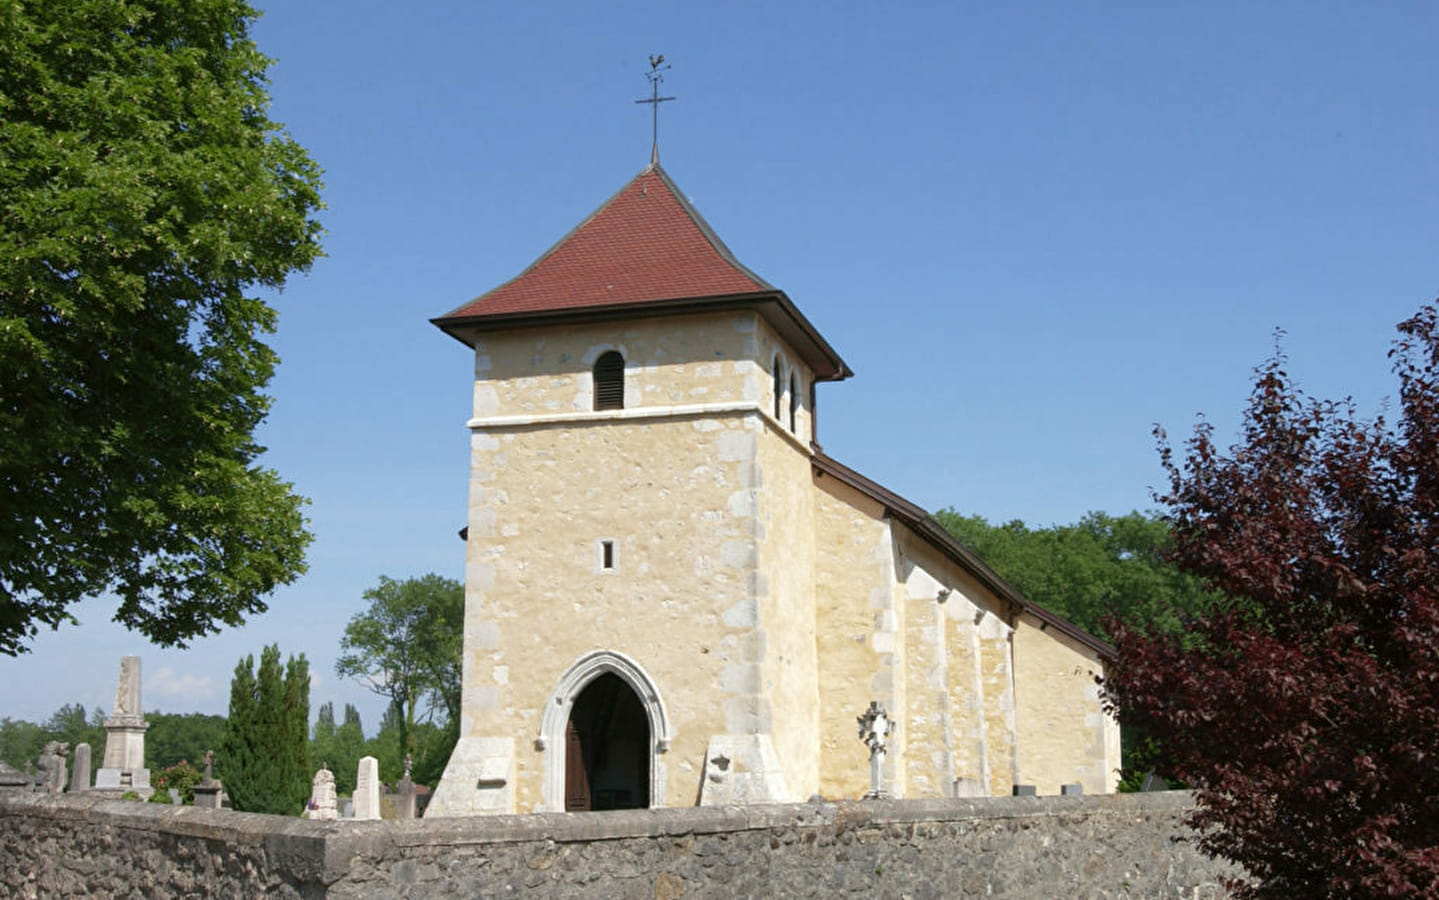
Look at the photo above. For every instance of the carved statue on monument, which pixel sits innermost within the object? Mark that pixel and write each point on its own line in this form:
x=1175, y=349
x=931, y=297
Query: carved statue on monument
x=51, y=764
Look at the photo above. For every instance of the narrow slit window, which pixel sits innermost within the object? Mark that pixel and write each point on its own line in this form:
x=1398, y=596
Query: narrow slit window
x=778, y=387
x=609, y=379
x=607, y=555
x=793, y=400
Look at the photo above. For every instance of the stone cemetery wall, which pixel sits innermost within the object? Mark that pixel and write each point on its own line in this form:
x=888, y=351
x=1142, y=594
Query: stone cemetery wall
x=1097, y=846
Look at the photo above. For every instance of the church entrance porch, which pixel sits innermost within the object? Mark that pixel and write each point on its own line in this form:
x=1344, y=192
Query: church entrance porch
x=607, y=741
x=604, y=732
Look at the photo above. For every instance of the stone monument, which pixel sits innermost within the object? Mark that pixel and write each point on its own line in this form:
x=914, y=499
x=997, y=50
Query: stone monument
x=875, y=727
x=123, y=767
x=322, y=803
x=51, y=766
x=405, y=793
x=367, y=788
x=80, y=771
x=208, y=793
x=13, y=779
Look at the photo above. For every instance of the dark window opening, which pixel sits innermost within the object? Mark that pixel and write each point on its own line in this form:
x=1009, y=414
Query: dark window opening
x=778, y=387
x=607, y=554
x=793, y=400
x=610, y=381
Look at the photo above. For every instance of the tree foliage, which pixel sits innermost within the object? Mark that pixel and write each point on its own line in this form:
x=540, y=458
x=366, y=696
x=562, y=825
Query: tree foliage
x=1307, y=713
x=145, y=191
x=173, y=737
x=1102, y=566
x=406, y=646
x=264, y=752
x=338, y=747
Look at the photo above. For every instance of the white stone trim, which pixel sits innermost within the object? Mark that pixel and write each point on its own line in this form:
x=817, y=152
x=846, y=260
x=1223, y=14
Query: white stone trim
x=688, y=410
x=556, y=716
x=601, y=415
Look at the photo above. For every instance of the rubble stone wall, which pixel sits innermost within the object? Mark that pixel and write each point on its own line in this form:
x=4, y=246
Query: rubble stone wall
x=1098, y=846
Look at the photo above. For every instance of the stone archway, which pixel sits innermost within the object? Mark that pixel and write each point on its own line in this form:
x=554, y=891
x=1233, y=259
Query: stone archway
x=606, y=716
x=607, y=748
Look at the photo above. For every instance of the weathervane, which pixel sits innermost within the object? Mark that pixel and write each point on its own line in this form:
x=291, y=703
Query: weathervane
x=655, y=75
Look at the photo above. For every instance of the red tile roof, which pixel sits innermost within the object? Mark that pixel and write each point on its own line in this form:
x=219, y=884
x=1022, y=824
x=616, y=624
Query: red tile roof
x=645, y=243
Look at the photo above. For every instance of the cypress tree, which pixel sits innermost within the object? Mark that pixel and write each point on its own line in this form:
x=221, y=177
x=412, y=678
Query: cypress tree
x=265, y=755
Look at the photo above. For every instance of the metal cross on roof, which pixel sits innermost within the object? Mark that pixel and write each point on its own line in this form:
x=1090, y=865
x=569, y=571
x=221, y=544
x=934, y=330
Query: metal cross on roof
x=655, y=75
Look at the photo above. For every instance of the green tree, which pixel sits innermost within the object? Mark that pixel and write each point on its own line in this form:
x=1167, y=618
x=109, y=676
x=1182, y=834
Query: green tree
x=348, y=747
x=406, y=646
x=1099, y=567
x=338, y=747
x=264, y=752
x=181, y=737
x=21, y=742
x=70, y=724
x=145, y=192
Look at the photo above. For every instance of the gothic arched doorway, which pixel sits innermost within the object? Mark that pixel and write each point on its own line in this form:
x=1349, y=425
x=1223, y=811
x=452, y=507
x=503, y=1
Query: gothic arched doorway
x=607, y=748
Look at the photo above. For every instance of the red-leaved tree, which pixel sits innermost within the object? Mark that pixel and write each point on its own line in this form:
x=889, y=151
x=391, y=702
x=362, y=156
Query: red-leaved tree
x=1305, y=713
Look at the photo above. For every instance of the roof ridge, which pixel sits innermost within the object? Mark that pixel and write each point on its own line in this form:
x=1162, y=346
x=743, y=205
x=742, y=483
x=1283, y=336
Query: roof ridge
x=709, y=233
x=704, y=282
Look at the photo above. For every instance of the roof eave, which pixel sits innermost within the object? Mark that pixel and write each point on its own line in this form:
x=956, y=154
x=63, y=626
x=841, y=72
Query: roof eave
x=778, y=310
x=934, y=534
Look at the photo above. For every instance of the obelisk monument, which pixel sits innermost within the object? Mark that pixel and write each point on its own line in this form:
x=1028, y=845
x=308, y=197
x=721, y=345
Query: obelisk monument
x=123, y=766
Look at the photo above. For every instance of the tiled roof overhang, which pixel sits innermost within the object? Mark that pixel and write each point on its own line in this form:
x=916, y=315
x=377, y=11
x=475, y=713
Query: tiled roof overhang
x=776, y=308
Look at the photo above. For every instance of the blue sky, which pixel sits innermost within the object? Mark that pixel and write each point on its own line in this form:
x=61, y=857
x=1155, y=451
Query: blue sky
x=1032, y=229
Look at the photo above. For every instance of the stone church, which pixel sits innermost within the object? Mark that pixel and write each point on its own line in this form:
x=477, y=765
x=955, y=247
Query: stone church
x=675, y=597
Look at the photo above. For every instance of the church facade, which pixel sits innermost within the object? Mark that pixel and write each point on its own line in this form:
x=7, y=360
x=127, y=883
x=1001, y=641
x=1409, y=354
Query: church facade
x=675, y=597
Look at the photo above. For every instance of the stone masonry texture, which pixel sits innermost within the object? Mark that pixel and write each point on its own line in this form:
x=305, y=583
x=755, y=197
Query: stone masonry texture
x=1097, y=846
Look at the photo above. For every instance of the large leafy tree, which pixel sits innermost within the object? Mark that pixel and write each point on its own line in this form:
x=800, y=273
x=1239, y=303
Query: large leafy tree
x=1098, y=568
x=406, y=646
x=144, y=194
x=1306, y=713
x=264, y=758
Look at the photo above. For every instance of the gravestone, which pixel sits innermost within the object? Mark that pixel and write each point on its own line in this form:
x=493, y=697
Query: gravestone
x=80, y=773
x=322, y=797
x=123, y=767
x=13, y=779
x=51, y=766
x=405, y=793
x=209, y=793
x=367, y=788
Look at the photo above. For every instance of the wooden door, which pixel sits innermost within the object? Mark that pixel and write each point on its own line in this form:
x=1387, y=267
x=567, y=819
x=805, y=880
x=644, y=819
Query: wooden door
x=577, y=780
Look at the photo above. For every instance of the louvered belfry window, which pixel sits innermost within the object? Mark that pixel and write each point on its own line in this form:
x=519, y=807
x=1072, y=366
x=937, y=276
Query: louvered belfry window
x=610, y=381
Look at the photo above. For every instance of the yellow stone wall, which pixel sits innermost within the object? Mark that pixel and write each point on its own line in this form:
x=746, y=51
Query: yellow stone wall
x=1064, y=735
x=785, y=596
x=671, y=486
x=855, y=623
x=765, y=601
